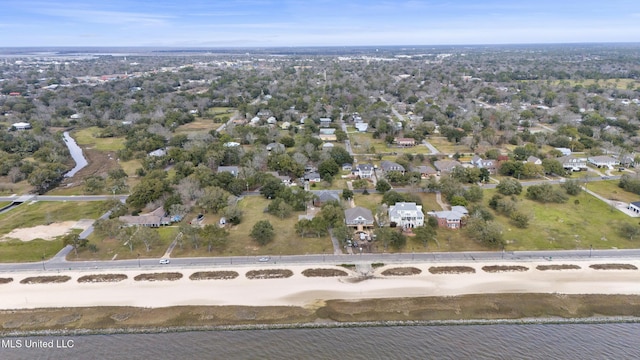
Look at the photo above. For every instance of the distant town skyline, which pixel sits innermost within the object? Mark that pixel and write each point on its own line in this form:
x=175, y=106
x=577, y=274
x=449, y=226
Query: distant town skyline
x=247, y=23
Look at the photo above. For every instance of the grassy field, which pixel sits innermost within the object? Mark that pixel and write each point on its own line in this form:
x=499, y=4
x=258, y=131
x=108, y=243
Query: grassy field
x=286, y=241
x=371, y=201
x=28, y=251
x=85, y=137
x=218, y=113
x=362, y=142
x=610, y=190
x=9, y=188
x=572, y=225
x=444, y=146
x=46, y=212
x=199, y=125
x=40, y=213
x=109, y=248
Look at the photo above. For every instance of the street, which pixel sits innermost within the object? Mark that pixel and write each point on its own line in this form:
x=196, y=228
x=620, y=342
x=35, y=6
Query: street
x=58, y=263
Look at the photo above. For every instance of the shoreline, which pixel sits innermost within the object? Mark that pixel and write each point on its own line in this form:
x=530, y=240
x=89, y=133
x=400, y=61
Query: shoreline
x=544, y=319
x=520, y=294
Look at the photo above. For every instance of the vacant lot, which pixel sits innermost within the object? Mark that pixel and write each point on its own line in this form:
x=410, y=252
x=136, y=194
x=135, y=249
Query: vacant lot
x=577, y=224
x=87, y=138
x=286, y=241
x=108, y=248
x=444, y=146
x=40, y=213
x=610, y=190
x=364, y=143
x=200, y=125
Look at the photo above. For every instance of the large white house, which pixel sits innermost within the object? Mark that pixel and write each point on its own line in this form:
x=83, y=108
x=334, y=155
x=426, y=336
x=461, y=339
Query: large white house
x=406, y=215
x=603, y=161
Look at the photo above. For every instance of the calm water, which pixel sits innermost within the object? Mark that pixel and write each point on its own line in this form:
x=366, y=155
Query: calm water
x=76, y=154
x=545, y=341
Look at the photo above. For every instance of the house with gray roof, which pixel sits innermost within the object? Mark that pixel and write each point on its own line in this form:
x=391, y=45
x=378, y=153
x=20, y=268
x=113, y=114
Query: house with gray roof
x=573, y=163
x=325, y=122
x=154, y=219
x=358, y=217
x=234, y=170
x=275, y=147
x=446, y=166
x=424, y=170
x=603, y=161
x=489, y=164
x=451, y=219
x=534, y=160
x=364, y=171
x=387, y=166
x=324, y=196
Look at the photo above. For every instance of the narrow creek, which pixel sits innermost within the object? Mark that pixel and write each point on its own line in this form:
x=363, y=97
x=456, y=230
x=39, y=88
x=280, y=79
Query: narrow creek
x=76, y=154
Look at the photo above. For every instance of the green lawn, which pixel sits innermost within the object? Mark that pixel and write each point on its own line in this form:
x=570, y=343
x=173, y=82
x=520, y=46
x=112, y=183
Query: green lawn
x=198, y=125
x=86, y=137
x=444, y=146
x=572, y=225
x=362, y=142
x=610, y=190
x=41, y=213
x=44, y=212
x=28, y=251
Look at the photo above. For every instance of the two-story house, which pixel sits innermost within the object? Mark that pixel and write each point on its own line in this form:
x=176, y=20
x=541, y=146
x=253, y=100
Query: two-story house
x=364, y=171
x=387, y=166
x=489, y=164
x=406, y=215
x=451, y=219
x=573, y=163
x=358, y=217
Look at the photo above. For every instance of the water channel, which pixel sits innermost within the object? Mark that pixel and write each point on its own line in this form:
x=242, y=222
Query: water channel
x=76, y=154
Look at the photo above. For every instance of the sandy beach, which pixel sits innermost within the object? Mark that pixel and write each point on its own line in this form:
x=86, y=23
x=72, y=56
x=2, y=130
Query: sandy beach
x=299, y=290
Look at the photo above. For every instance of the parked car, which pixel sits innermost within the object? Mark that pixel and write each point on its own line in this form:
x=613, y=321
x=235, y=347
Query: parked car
x=164, y=261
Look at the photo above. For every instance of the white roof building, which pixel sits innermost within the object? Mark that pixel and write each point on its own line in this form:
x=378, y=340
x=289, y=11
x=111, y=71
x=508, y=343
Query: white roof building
x=406, y=215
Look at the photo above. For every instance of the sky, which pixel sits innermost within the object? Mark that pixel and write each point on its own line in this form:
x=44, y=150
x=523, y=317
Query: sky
x=265, y=23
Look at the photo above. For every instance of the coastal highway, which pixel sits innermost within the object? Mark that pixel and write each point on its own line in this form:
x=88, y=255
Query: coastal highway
x=58, y=263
